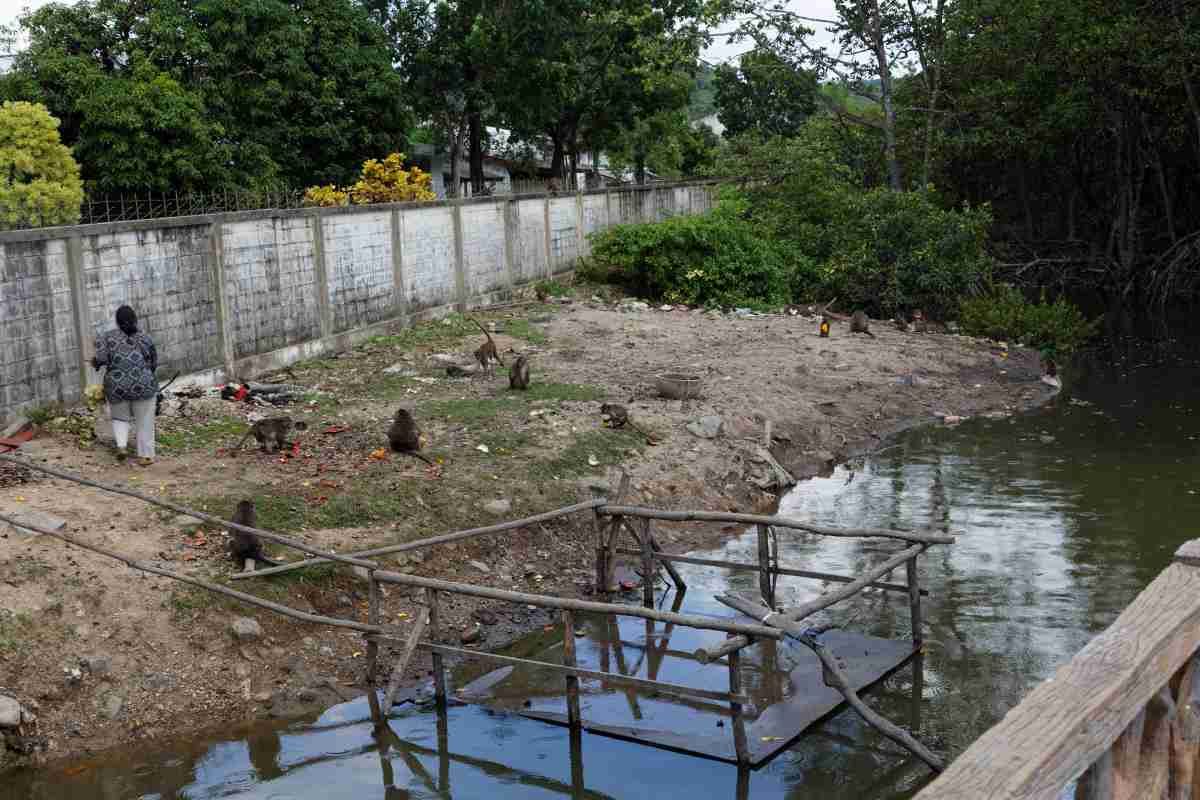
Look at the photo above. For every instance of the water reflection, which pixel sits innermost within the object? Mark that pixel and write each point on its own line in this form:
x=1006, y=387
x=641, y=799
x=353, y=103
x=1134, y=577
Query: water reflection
x=1064, y=515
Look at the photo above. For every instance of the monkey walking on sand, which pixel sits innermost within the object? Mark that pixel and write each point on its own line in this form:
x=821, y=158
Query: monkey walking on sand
x=405, y=437
x=860, y=324
x=518, y=374
x=618, y=417
x=487, y=352
x=246, y=547
x=271, y=434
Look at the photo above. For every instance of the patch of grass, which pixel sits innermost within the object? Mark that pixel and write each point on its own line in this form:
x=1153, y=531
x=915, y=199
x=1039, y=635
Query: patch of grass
x=562, y=391
x=554, y=288
x=14, y=627
x=607, y=447
x=43, y=415
x=385, y=387
x=520, y=328
x=449, y=328
x=471, y=409
x=186, y=601
x=199, y=437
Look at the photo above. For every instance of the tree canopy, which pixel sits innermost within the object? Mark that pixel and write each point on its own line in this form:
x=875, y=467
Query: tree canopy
x=764, y=94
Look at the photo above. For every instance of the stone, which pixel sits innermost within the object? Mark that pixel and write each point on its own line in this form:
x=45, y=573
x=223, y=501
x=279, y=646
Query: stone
x=10, y=712
x=262, y=697
x=308, y=694
x=400, y=370
x=707, y=427
x=951, y=327
x=96, y=664
x=634, y=305
x=501, y=506
x=246, y=629
x=39, y=518
x=185, y=523
x=325, y=650
x=471, y=634
x=665, y=308
x=479, y=565
x=443, y=359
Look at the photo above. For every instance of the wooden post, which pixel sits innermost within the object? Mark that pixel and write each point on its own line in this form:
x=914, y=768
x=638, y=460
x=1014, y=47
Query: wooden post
x=739, y=725
x=410, y=647
x=914, y=601
x=573, y=716
x=647, y=566
x=439, y=671
x=372, y=619
x=577, y=786
x=764, y=565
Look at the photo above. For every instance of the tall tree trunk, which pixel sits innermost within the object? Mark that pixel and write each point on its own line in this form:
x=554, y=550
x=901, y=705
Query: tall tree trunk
x=929, y=52
x=457, y=133
x=475, y=127
x=879, y=46
x=556, y=160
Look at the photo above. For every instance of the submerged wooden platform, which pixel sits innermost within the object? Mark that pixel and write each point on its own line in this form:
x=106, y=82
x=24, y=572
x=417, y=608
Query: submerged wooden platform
x=694, y=730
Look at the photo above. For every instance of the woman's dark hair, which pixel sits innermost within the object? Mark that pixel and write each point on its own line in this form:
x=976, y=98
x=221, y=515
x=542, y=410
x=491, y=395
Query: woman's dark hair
x=127, y=320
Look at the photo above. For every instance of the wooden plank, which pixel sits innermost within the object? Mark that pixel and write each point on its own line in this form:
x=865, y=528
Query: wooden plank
x=739, y=724
x=764, y=565
x=730, y=645
x=742, y=566
x=1127, y=756
x=439, y=668
x=614, y=678
x=914, y=600
x=585, y=606
x=410, y=647
x=1065, y=724
x=1185, y=733
x=779, y=522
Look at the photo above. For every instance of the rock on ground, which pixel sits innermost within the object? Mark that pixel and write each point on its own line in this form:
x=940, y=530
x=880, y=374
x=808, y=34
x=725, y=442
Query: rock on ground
x=708, y=427
x=246, y=629
x=10, y=712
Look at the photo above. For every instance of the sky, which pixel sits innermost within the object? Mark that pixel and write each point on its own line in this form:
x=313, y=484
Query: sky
x=720, y=51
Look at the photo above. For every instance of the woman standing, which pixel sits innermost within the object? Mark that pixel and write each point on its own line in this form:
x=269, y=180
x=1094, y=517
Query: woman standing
x=129, y=383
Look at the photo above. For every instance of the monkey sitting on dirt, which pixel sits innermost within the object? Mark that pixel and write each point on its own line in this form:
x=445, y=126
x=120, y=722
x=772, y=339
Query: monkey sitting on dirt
x=245, y=546
x=617, y=417
x=860, y=324
x=271, y=434
x=487, y=352
x=405, y=437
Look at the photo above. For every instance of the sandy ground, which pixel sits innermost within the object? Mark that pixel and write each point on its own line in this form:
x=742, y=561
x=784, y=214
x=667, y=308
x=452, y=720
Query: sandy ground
x=103, y=654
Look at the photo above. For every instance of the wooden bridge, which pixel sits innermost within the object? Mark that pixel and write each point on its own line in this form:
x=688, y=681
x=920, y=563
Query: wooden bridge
x=1121, y=720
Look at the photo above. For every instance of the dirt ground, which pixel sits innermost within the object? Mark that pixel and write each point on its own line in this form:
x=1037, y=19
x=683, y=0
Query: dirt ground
x=104, y=654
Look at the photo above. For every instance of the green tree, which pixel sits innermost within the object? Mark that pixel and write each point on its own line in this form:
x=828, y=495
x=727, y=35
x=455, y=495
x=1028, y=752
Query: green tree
x=39, y=180
x=764, y=94
x=290, y=90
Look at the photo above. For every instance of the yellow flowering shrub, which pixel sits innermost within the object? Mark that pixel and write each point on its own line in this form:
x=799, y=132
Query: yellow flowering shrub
x=385, y=181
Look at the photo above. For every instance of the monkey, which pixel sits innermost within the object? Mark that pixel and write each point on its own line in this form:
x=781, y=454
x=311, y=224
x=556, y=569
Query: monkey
x=272, y=431
x=245, y=546
x=518, y=374
x=405, y=437
x=455, y=371
x=618, y=417
x=918, y=321
x=487, y=351
x=860, y=324
x=552, y=186
x=540, y=291
x=824, y=330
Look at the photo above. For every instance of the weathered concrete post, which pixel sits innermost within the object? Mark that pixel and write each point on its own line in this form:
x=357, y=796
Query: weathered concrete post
x=460, y=278
x=216, y=243
x=324, y=306
x=399, y=302
x=549, y=252
x=79, y=309
x=581, y=248
x=512, y=239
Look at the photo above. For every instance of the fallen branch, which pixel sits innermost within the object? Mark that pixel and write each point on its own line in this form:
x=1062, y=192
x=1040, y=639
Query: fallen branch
x=410, y=647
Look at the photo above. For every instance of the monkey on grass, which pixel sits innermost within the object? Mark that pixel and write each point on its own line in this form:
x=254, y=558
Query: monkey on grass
x=487, y=352
x=405, y=437
x=518, y=374
x=243, y=545
x=271, y=434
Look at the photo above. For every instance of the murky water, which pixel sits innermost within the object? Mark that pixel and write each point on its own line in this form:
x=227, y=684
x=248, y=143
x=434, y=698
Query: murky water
x=1065, y=514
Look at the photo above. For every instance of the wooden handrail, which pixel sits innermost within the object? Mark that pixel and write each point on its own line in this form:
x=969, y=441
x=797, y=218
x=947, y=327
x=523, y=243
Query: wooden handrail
x=1115, y=696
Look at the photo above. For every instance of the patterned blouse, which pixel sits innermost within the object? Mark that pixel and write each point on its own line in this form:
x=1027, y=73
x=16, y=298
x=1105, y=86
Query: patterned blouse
x=131, y=362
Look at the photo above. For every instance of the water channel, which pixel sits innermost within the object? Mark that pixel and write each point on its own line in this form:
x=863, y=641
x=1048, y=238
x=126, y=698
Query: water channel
x=1065, y=514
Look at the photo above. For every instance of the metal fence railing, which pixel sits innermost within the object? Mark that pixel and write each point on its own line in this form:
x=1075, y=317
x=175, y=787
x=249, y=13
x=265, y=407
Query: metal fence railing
x=156, y=205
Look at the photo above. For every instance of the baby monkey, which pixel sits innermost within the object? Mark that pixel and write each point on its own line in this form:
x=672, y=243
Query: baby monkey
x=618, y=417
x=518, y=374
x=860, y=324
x=271, y=434
x=405, y=437
x=487, y=352
x=245, y=546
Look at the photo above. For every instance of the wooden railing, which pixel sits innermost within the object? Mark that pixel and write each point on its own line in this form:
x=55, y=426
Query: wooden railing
x=1121, y=718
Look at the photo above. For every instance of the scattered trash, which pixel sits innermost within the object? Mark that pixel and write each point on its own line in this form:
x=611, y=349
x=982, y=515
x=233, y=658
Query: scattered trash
x=593, y=461
x=483, y=448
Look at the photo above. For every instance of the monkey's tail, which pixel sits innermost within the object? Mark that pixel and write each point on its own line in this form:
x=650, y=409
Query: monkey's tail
x=270, y=562
x=415, y=454
x=868, y=333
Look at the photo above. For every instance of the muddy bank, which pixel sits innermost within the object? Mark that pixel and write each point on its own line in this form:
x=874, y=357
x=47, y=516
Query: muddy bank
x=102, y=654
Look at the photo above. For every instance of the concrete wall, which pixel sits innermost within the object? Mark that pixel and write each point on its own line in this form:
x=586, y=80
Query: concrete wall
x=236, y=294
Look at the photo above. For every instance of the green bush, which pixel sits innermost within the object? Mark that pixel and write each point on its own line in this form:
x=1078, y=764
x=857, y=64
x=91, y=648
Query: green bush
x=39, y=179
x=894, y=251
x=714, y=259
x=1057, y=328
